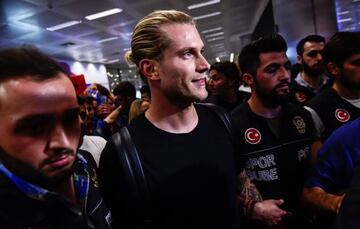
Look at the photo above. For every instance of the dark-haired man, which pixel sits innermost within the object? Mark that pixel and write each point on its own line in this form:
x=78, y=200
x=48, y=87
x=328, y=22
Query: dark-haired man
x=44, y=183
x=333, y=108
x=274, y=136
x=223, y=85
x=311, y=79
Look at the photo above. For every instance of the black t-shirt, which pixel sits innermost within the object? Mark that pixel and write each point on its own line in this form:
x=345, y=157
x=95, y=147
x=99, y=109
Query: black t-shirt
x=192, y=176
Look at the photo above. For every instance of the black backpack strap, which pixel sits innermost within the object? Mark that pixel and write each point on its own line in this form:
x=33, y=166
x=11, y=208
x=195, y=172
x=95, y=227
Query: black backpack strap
x=222, y=114
x=133, y=172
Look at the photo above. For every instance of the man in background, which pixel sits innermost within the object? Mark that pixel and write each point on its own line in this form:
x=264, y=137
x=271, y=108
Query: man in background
x=311, y=79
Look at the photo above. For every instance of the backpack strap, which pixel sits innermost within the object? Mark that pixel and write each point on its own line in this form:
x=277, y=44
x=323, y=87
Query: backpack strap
x=222, y=114
x=134, y=174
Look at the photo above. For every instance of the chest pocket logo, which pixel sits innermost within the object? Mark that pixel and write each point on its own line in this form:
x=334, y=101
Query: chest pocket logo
x=252, y=136
x=342, y=115
x=299, y=124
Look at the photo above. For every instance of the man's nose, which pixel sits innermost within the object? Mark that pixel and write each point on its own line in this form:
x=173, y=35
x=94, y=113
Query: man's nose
x=284, y=74
x=58, y=137
x=201, y=64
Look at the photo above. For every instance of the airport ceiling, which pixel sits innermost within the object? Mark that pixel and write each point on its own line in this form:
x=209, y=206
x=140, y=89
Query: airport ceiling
x=105, y=40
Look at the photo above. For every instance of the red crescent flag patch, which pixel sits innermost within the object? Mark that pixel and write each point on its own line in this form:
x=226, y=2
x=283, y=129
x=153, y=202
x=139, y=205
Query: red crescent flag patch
x=252, y=136
x=300, y=97
x=342, y=115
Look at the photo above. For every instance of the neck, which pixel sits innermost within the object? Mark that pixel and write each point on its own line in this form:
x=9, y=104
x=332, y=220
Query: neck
x=347, y=93
x=171, y=117
x=66, y=189
x=313, y=81
x=260, y=108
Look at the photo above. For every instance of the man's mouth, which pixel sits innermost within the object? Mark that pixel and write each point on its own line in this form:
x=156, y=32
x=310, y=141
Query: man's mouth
x=59, y=162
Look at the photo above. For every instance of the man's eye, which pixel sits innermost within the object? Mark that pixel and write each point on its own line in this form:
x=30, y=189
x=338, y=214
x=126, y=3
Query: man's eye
x=187, y=54
x=33, y=128
x=271, y=70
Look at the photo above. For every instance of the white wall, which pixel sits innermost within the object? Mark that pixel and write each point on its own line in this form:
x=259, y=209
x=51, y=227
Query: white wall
x=93, y=73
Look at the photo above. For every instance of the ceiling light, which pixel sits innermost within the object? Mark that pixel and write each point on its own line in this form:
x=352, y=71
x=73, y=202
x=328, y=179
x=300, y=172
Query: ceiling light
x=343, y=12
x=112, y=61
x=103, y=14
x=344, y=20
x=215, y=38
x=207, y=15
x=63, y=25
x=217, y=59
x=232, y=57
x=107, y=39
x=212, y=30
x=194, y=6
x=214, y=34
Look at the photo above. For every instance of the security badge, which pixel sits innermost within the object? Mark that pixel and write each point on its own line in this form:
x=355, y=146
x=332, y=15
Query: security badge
x=299, y=124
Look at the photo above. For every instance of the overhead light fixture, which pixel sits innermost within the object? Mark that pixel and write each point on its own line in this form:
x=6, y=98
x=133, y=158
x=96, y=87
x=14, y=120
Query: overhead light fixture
x=214, y=34
x=112, y=61
x=344, y=20
x=215, y=38
x=217, y=59
x=63, y=25
x=212, y=30
x=231, y=57
x=103, y=14
x=198, y=5
x=107, y=39
x=207, y=15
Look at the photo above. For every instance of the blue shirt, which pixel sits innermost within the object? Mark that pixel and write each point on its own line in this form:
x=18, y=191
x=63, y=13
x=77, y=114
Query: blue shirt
x=337, y=159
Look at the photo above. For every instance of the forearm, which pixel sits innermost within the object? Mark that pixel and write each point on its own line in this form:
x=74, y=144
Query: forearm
x=111, y=118
x=248, y=195
x=321, y=200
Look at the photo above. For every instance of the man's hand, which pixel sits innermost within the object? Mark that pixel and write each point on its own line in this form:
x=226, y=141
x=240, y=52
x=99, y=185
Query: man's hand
x=269, y=211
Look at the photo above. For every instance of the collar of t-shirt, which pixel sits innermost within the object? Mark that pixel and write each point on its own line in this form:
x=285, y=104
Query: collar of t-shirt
x=303, y=83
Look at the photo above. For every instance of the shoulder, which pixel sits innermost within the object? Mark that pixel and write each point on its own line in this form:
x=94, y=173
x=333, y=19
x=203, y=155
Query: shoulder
x=325, y=96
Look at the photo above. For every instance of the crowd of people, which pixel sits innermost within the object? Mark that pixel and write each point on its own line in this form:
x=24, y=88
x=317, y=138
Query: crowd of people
x=257, y=144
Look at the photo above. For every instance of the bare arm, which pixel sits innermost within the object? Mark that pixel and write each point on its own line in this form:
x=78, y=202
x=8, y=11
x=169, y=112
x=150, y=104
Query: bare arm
x=321, y=200
x=267, y=211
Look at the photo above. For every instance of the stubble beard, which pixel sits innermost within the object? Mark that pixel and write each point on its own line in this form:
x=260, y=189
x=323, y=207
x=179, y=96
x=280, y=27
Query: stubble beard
x=312, y=72
x=32, y=175
x=272, y=99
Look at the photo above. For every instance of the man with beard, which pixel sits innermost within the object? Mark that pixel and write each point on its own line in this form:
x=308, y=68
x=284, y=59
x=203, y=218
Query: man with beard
x=336, y=106
x=340, y=103
x=274, y=136
x=310, y=80
x=44, y=183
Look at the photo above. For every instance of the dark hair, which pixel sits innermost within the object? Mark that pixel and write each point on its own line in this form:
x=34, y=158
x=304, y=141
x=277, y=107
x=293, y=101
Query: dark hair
x=27, y=61
x=341, y=46
x=125, y=89
x=249, y=56
x=229, y=70
x=145, y=89
x=310, y=38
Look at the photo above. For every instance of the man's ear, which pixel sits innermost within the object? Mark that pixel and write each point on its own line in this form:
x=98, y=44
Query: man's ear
x=333, y=69
x=248, y=79
x=148, y=68
x=299, y=59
